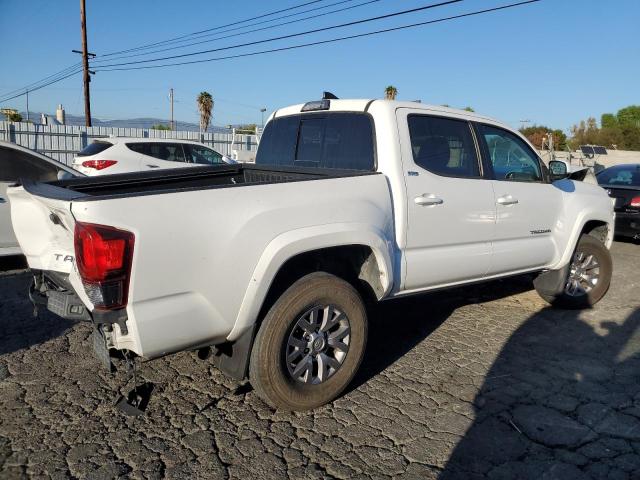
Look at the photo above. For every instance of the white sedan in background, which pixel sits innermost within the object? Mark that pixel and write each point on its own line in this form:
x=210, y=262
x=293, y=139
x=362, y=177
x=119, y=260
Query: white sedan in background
x=19, y=164
x=121, y=155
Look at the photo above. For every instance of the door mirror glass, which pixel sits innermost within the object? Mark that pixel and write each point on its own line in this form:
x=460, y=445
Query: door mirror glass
x=557, y=169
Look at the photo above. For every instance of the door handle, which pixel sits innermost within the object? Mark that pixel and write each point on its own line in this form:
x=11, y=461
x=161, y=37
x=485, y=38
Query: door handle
x=2, y=200
x=427, y=200
x=152, y=166
x=506, y=200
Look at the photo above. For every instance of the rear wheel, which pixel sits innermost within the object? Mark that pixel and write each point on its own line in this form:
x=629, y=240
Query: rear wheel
x=310, y=344
x=588, y=278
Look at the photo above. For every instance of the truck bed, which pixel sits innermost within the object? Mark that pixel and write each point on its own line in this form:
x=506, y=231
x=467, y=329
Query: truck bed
x=175, y=180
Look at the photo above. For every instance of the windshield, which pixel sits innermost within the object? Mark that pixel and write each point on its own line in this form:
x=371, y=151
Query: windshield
x=623, y=175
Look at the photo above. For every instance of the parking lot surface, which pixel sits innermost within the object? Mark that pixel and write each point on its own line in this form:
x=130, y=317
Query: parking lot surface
x=480, y=382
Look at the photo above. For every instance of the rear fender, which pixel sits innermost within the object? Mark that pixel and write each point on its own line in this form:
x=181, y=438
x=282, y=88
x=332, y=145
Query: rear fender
x=290, y=244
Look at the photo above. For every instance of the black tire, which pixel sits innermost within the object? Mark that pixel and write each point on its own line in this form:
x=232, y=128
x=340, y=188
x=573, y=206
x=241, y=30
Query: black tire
x=268, y=370
x=589, y=245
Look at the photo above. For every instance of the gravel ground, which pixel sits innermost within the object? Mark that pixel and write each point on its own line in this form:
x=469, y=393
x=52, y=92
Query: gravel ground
x=481, y=382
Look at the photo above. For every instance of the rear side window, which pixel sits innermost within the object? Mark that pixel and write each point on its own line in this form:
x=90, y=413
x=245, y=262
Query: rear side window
x=443, y=146
x=94, y=148
x=329, y=140
x=15, y=165
x=171, y=152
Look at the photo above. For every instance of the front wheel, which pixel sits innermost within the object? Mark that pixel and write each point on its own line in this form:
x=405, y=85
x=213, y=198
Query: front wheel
x=588, y=278
x=310, y=344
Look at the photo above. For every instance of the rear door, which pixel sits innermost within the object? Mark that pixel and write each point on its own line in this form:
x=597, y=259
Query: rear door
x=451, y=209
x=527, y=204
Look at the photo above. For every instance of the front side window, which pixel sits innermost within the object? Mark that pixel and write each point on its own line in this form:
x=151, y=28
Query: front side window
x=202, y=155
x=443, y=146
x=510, y=156
x=321, y=140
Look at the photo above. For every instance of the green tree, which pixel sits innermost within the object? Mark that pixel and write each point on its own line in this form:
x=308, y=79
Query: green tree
x=469, y=109
x=629, y=116
x=390, y=92
x=14, y=117
x=608, y=120
x=160, y=126
x=205, y=107
x=537, y=134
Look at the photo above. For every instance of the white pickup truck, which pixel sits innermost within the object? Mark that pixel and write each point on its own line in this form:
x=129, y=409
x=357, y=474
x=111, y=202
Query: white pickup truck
x=269, y=266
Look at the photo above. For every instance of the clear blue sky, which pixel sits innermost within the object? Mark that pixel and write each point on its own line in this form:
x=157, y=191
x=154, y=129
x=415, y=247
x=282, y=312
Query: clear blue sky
x=555, y=62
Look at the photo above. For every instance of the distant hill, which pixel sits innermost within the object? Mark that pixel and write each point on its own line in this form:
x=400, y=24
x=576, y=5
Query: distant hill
x=128, y=123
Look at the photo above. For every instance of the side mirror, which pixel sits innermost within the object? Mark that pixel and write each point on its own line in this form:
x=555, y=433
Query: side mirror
x=558, y=170
x=64, y=175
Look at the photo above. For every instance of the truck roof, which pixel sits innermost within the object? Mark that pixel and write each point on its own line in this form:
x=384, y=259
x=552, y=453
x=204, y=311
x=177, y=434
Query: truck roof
x=363, y=105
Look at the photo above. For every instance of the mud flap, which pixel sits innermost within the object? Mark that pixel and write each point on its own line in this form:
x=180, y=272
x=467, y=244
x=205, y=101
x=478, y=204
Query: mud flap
x=552, y=282
x=101, y=351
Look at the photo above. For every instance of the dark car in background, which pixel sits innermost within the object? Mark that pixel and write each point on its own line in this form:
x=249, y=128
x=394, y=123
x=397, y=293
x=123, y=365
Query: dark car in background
x=622, y=182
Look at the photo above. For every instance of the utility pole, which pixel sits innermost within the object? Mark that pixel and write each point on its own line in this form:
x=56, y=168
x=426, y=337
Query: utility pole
x=85, y=64
x=171, y=99
x=262, y=110
x=27, y=105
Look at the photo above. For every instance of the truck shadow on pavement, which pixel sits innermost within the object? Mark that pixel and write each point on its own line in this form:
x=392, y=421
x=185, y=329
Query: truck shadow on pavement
x=562, y=400
x=19, y=329
x=397, y=326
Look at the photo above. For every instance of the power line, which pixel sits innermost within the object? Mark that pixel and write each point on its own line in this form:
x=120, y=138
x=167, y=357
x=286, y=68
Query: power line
x=248, y=31
x=333, y=40
x=292, y=35
x=29, y=86
x=218, y=31
x=213, y=28
x=41, y=86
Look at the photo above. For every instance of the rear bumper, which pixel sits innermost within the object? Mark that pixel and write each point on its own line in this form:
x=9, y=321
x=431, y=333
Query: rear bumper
x=52, y=293
x=627, y=224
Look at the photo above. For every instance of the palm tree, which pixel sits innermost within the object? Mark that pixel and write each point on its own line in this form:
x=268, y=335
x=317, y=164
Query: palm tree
x=205, y=106
x=390, y=92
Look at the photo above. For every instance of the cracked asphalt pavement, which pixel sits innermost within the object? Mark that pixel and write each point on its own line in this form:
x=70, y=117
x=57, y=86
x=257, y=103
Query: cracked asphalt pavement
x=480, y=382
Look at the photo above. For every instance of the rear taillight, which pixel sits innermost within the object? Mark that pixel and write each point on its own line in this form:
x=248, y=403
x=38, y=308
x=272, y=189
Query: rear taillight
x=103, y=257
x=99, y=164
x=635, y=202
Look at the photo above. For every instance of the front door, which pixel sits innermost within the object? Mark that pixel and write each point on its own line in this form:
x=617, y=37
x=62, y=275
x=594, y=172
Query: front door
x=451, y=209
x=527, y=205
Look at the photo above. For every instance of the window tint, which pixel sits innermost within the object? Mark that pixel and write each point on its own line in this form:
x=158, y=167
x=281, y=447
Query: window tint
x=329, y=140
x=512, y=159
x=15, y=165
x=171, y=152
x=202, y=154
x=627, y=175
x=94, y=148
x=443, y=146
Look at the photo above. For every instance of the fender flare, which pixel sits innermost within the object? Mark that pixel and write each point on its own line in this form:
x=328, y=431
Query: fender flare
x=289, y=244
x=570, y=246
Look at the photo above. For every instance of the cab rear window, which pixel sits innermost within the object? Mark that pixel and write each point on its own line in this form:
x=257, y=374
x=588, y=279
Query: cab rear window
x=319, y=140
x=94, y=148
